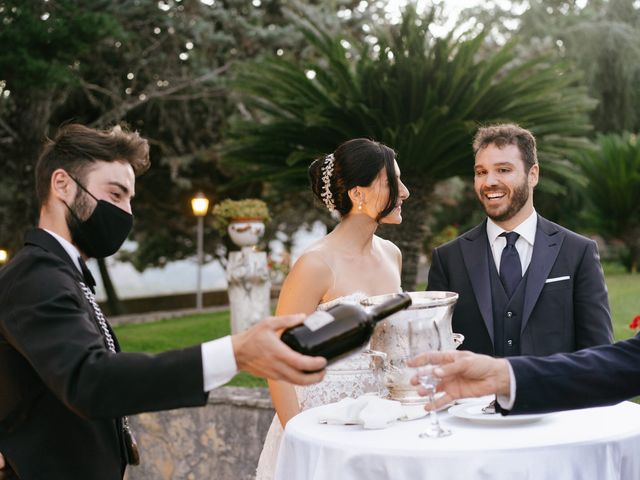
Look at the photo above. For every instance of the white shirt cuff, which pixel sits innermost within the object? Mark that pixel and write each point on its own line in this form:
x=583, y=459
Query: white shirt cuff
x=218, y=362
x=506, y=402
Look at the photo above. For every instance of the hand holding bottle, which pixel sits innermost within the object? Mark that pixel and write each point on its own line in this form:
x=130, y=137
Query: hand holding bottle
x=260, y=352
x=340, y=329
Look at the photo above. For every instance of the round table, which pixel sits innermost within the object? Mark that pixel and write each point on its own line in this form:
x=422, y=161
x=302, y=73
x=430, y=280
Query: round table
x=595, y=443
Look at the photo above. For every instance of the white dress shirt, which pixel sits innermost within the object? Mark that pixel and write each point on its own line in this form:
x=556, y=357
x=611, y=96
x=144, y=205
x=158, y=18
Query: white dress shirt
x=506, y=402
x=524, y=244
x=218, y=360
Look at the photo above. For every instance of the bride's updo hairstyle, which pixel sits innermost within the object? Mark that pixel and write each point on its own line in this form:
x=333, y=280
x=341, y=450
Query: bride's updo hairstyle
x=355, y=163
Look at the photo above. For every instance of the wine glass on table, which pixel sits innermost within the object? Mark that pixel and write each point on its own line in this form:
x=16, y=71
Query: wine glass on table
x=424, y=336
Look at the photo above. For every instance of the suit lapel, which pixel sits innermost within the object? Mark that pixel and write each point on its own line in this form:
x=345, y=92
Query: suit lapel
x=474, y=247
x=44, y=240
x=547, y=245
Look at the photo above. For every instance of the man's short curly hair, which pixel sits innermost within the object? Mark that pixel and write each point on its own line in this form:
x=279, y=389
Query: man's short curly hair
x=508, y=134
x=75, y=148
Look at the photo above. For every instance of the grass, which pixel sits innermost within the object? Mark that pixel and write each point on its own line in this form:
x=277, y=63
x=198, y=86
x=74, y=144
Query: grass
x=624, y=298
x=180, y=333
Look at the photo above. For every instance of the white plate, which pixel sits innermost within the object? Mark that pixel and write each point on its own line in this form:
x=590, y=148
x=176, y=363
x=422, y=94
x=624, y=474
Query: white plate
x=473, y=413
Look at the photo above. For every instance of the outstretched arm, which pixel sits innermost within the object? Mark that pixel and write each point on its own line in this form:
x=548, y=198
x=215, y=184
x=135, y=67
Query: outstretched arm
x=260, y=352
x=596, y=376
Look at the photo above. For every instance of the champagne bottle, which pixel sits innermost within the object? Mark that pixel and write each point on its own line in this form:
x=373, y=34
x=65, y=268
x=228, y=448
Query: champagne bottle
x=341, y=328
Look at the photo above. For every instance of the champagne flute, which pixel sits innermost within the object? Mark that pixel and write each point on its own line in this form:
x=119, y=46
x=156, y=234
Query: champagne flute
x=421, y=340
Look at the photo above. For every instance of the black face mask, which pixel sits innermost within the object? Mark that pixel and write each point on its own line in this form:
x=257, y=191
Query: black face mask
x=104, y=232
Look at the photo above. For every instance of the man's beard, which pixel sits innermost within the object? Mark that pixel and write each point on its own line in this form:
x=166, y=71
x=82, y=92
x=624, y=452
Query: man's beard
x=81, y=207
x=518, y=200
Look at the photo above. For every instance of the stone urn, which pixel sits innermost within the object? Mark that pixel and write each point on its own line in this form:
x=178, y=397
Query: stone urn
x=249, y=285
x=246, y=232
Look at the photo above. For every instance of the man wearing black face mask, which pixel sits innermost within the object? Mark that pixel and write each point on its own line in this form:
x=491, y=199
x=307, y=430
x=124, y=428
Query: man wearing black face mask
x=65, y=388
x=103, y=231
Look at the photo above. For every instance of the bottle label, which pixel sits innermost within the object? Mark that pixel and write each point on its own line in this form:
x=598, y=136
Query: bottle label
x=318, y=320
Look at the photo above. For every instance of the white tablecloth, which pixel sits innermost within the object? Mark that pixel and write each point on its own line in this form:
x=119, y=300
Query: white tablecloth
x=590, y=444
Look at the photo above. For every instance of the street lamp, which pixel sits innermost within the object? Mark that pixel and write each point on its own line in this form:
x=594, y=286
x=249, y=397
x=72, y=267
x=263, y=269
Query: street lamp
x=4, y=256
x=200, y=206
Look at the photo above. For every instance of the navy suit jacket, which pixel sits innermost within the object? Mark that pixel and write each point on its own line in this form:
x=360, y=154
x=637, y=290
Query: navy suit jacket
x=62, y=392
x=593, y=377
x=560, y=316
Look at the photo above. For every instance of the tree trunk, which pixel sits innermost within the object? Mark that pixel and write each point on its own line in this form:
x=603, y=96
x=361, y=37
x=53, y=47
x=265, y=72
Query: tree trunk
x=410, y=234
x=113, y=302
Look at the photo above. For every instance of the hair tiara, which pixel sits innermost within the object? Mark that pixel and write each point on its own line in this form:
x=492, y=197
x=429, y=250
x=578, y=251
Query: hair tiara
x=327, y=171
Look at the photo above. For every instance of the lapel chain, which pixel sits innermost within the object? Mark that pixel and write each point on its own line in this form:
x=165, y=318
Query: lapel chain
x=102, y=322
x=132, y=447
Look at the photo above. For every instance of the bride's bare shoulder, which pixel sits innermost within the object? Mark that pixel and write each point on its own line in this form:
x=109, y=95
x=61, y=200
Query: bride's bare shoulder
x=314, y=259
x=388, y=246
x=306, y=284
x=390, y=251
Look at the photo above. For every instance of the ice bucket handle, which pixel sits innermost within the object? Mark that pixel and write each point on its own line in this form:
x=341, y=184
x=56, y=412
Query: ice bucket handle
x=458, y=339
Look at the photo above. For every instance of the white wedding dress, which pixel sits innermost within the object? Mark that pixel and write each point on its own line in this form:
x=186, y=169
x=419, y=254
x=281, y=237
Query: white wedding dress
x=347, y=377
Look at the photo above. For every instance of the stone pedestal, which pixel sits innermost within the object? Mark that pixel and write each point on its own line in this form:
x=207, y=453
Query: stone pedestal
x=249, y=288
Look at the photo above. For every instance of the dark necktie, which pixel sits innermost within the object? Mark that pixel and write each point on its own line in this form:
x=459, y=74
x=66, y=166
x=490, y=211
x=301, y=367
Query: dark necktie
x=510, y=268
x=89, y=281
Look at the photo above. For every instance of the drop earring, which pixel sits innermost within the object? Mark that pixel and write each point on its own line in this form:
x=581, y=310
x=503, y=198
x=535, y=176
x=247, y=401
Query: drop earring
x=360, y=205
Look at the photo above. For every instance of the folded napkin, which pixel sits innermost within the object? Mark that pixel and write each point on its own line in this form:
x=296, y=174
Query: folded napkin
x=367, y=410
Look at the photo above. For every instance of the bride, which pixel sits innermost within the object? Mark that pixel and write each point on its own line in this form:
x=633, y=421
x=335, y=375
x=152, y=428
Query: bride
x=361, y=182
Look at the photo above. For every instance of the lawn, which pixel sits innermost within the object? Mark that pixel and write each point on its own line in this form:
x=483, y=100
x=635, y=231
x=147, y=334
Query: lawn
x=178, y=333
x=624, y=298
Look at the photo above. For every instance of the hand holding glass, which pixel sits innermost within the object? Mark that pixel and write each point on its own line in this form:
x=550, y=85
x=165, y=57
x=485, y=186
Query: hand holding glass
x=421, y=340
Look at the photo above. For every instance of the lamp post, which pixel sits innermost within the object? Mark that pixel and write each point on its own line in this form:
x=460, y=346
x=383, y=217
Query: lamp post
x=200, y=206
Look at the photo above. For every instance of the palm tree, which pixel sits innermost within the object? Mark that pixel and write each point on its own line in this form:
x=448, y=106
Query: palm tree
x=421, y=95
x=613, y=191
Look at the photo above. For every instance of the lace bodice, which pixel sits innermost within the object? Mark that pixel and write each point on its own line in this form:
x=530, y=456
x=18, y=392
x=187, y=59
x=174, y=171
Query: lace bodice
x=350, y=376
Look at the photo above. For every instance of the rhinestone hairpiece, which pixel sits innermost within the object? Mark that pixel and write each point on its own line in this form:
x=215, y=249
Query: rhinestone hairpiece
x=327, y=171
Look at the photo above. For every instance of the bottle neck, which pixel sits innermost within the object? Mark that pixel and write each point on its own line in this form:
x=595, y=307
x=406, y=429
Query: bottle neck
x=395, y=304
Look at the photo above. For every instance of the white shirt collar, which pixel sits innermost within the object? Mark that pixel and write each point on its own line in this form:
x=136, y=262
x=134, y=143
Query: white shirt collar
x=527, y=229
x=69, y=247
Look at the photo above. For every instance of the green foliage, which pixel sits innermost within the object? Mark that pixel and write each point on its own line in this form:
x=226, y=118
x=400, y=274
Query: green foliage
x=43, y=42
x=422, y=95
x=601, y=38
x=613, y=191
x=248, y=208
x=160, y=67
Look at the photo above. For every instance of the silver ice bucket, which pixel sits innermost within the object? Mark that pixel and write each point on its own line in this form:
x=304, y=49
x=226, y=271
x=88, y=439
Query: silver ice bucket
x=391, y=336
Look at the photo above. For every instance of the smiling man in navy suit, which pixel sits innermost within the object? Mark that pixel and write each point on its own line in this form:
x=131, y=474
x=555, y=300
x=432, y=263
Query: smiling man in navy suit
x=527, y=286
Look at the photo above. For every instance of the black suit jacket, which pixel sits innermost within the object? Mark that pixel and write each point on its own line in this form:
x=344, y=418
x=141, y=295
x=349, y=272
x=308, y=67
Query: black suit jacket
x=593, y=377
x=561, y=316
x=62, y=392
